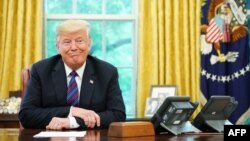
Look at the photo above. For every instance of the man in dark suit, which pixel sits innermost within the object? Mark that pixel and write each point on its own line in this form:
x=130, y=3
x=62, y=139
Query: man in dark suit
x=93, y=98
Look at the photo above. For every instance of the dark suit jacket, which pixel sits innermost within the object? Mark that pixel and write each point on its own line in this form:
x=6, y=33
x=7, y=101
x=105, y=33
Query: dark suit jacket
x=46, y=93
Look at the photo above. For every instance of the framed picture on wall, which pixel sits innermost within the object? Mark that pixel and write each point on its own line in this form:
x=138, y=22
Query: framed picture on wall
x=163, y=91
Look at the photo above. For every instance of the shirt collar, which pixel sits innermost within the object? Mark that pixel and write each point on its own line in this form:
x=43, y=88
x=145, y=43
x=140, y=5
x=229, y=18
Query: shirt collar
x=79, y=71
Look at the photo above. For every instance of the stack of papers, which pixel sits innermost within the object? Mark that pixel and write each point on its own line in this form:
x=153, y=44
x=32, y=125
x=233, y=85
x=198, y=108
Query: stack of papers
x=60, y=134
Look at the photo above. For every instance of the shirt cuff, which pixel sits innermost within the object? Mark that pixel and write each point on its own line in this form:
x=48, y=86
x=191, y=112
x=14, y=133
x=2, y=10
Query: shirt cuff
x=73, y=123
x=72, y=120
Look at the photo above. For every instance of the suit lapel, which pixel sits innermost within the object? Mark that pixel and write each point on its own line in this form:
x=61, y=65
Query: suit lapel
x=88, y=84
x=60, y=82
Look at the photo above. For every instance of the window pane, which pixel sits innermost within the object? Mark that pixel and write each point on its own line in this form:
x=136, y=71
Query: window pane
x=119, y=7
x=119, y=45
x=51, y=37
x=96, y=35
x=59, y=6
x=125, y=80
x=89, y=6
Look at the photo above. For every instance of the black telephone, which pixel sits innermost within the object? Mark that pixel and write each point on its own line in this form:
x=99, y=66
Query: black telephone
x=173, y=114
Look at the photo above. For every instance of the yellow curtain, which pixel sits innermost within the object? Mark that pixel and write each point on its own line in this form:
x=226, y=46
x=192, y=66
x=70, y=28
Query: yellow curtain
x=169, y=34
x=20, y=40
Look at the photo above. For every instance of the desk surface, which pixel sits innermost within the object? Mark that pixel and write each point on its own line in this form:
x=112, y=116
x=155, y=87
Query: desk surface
x=15, y=134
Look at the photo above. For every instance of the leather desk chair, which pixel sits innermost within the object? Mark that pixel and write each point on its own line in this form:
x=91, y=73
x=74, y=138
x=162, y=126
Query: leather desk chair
x=25, y=79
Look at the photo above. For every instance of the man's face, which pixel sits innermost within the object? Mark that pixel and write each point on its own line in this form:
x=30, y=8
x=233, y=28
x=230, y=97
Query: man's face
x=74, y=48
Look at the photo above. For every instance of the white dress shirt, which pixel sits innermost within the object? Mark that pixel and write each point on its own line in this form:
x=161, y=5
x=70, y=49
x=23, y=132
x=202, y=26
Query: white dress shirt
x=80, y=71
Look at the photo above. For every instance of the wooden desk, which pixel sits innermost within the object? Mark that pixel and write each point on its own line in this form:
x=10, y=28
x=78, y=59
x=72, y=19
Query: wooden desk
x=15, y=134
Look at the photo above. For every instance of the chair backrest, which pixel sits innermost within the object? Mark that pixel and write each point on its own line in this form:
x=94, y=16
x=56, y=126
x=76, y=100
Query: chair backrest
x=25, y=79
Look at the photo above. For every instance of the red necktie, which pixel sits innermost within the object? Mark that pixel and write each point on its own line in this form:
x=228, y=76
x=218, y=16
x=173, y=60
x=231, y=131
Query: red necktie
x=73, y=93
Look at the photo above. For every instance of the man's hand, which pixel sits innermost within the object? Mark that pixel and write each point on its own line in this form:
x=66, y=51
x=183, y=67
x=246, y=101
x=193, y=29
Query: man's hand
x=58, y=124
x=90, y=117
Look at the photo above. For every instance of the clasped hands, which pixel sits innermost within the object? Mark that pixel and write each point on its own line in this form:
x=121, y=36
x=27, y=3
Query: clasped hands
x=90, y=118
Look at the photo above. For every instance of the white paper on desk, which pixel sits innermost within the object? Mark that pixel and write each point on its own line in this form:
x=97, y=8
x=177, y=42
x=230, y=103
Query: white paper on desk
x=60, y=134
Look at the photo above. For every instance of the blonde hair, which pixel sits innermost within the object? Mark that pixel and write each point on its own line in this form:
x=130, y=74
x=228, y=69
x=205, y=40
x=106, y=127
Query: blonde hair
x=72, y=26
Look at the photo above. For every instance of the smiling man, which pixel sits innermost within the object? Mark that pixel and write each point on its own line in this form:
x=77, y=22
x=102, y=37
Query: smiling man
x=72, y=89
